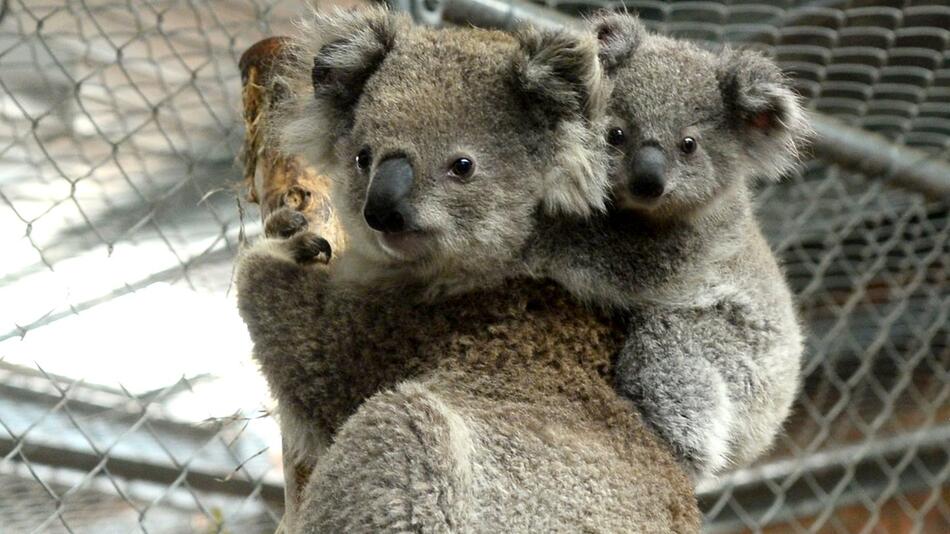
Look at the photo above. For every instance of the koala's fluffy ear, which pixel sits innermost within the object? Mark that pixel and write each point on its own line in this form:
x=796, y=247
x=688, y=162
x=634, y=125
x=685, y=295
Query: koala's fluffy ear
x=558, y=70
x=558, y=74
x=338, y=51
x=355, y=45
x=618, y=36
x=764, y=110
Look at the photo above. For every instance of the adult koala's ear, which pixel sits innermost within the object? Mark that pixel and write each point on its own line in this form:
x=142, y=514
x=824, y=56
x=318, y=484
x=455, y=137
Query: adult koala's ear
x=340, y=51
x=558, y=75
x=763, y=110
x=355, y=44
x=558, y=69
x=618, y=36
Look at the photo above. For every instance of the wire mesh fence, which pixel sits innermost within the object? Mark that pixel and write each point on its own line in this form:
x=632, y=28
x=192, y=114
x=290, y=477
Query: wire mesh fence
x=119, y=129
x=120, y=124
x=94, y=459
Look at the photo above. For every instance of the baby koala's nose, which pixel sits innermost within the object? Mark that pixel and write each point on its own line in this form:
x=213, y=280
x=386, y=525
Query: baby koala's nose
x=387, y=207
x=648, y=173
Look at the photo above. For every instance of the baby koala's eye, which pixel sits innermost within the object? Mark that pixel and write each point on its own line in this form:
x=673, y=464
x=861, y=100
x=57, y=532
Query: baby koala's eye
x=364, y=159
x=616, y=137
x=462, y=167
x=688, y=145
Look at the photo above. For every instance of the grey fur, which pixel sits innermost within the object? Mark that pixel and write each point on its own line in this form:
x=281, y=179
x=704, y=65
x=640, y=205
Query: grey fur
x=485, y=412
x=713, y=354
x=617, y=37
x=421, y=409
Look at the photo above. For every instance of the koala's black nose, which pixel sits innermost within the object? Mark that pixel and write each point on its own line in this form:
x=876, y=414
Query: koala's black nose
x=648, y=173
x=387, y=207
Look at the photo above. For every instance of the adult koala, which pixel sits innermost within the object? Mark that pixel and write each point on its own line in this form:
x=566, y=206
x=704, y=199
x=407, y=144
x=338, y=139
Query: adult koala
x=429, y=393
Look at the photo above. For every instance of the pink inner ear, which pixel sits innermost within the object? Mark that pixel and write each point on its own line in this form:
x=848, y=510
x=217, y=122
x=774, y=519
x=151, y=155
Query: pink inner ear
x=761, y=120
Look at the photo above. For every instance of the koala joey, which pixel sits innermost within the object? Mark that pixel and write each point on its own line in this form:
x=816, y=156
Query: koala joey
x=713, y=353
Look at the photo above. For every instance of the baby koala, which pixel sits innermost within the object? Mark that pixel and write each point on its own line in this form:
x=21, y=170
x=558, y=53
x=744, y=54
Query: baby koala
x=713, y=354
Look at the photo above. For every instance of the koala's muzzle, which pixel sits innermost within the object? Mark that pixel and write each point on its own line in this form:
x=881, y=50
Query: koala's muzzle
x=648, y=173
x=387, y=206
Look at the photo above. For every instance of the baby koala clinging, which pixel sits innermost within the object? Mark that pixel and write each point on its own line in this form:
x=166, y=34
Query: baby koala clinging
x=714, y=347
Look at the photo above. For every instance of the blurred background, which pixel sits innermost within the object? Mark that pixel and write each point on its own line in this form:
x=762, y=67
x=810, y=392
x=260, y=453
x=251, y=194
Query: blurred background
x=128, y=400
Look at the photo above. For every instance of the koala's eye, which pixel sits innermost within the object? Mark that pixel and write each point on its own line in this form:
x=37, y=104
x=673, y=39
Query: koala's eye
x=616, y=137
x=364, y=159
x=462, y=167
x=688, y=145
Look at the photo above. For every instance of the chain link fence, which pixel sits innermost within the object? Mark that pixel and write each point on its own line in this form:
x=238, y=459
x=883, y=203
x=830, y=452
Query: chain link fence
x=119, y=125
x=127, y=401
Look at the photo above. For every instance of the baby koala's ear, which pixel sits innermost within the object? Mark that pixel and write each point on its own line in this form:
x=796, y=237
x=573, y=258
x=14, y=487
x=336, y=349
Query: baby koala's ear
x=339, y=50
x=764, y=110
x=560, y=79
x=618, y=36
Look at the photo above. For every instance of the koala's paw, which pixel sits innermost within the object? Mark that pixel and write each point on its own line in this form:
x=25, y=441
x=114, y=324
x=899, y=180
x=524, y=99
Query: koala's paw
x=288, y=228
x=689, y=408
x=308, y=247
x=285, y=223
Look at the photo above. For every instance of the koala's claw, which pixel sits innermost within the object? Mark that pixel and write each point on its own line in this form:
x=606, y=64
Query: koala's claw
x=285, y=223
x=308, y=247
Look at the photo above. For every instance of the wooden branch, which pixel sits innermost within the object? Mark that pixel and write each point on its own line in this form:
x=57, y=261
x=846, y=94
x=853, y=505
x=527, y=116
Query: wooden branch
x=274, y=180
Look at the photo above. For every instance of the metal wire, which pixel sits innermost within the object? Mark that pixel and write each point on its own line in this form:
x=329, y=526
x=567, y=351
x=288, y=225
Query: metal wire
x=76, y=458
x=119, y=123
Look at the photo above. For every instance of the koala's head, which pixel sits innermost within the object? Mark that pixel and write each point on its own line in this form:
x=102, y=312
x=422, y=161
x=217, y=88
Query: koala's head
x=443, y=143
x=686, y=125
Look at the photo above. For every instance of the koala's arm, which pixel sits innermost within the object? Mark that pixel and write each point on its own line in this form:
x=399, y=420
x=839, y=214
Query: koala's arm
x=716, y=383
x=315, y=337
x=670, y=374
x=611, y=260
x=282, y=300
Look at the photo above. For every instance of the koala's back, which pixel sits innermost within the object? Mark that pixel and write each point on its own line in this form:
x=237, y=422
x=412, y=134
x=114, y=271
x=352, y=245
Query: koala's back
x=514, y=427
x=370, y=341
